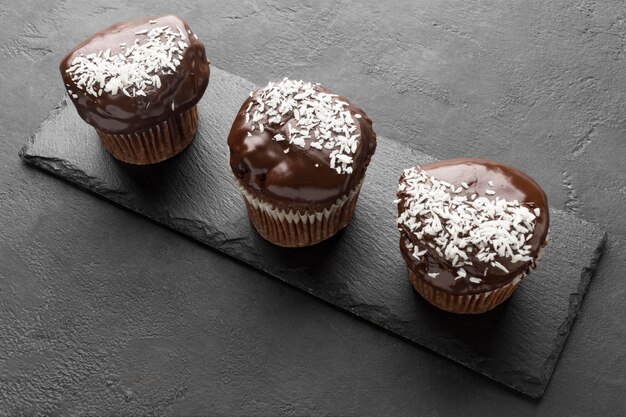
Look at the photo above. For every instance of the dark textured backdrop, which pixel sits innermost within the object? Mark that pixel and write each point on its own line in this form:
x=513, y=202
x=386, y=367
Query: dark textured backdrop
x=103, y=312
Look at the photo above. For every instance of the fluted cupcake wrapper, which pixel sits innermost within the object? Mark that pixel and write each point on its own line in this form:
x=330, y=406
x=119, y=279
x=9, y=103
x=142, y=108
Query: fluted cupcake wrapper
x=156, y=144
x=469, y=303
x=289, y=228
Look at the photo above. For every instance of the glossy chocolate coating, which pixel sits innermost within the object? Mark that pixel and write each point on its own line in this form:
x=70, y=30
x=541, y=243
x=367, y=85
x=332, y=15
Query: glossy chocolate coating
x=119, y=113
x=510, y=184
x=265, y=170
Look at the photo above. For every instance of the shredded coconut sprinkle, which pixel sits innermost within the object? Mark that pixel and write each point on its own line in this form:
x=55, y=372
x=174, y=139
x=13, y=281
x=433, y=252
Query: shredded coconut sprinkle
x=489, y=229
x=133, y=69
x=320, y=119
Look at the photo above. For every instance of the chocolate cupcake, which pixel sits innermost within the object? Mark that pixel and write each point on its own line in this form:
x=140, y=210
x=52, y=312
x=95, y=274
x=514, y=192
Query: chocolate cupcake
x=137, y=83
x=299, y=154
x=470, y=231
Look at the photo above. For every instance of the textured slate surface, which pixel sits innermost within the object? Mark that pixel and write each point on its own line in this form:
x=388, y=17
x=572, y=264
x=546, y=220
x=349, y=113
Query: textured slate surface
x=360, y=270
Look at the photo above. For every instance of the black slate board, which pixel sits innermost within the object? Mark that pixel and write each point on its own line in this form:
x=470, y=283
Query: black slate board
x=360, y=270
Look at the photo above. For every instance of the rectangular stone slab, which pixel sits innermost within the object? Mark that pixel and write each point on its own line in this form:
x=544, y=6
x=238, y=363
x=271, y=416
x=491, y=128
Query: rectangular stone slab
x=361, y=269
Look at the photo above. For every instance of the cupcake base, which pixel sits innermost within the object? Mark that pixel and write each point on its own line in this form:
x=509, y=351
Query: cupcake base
x=470, y=303
x=294, y=229
x=156, y=144
x=463, y=304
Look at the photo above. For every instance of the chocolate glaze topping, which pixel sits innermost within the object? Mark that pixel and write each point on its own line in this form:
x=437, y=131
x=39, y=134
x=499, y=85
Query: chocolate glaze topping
x=282, y=172
x=487, y=179
x=180, y=86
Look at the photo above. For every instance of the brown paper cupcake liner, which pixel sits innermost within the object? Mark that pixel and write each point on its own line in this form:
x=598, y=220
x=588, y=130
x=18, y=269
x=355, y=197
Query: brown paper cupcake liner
x=463, y=304
x=289, y=228
x=156, y=144
x=469, y=303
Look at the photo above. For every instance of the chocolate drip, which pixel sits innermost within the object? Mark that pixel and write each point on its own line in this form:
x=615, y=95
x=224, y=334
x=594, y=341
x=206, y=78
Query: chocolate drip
x=508, y=183
x=119, y=113
x=302, y=177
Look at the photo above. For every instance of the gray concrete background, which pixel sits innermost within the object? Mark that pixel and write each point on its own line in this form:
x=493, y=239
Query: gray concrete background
x=102, y=312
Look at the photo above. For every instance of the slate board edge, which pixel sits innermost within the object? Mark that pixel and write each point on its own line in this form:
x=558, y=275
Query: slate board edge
x=575, y=304
x=90, y=184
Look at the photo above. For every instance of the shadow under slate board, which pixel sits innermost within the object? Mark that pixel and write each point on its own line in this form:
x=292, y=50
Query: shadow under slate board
x=359, y=270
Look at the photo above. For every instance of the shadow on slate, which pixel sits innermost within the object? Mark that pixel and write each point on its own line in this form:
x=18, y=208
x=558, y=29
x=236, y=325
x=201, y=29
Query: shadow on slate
x=359, y=270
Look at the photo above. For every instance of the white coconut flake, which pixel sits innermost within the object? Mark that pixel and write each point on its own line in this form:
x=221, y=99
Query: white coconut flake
x=490, y=192
x=499, y=265
x=313, y=118
x=134, y=68
x=433, y=274
x=464, y=230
